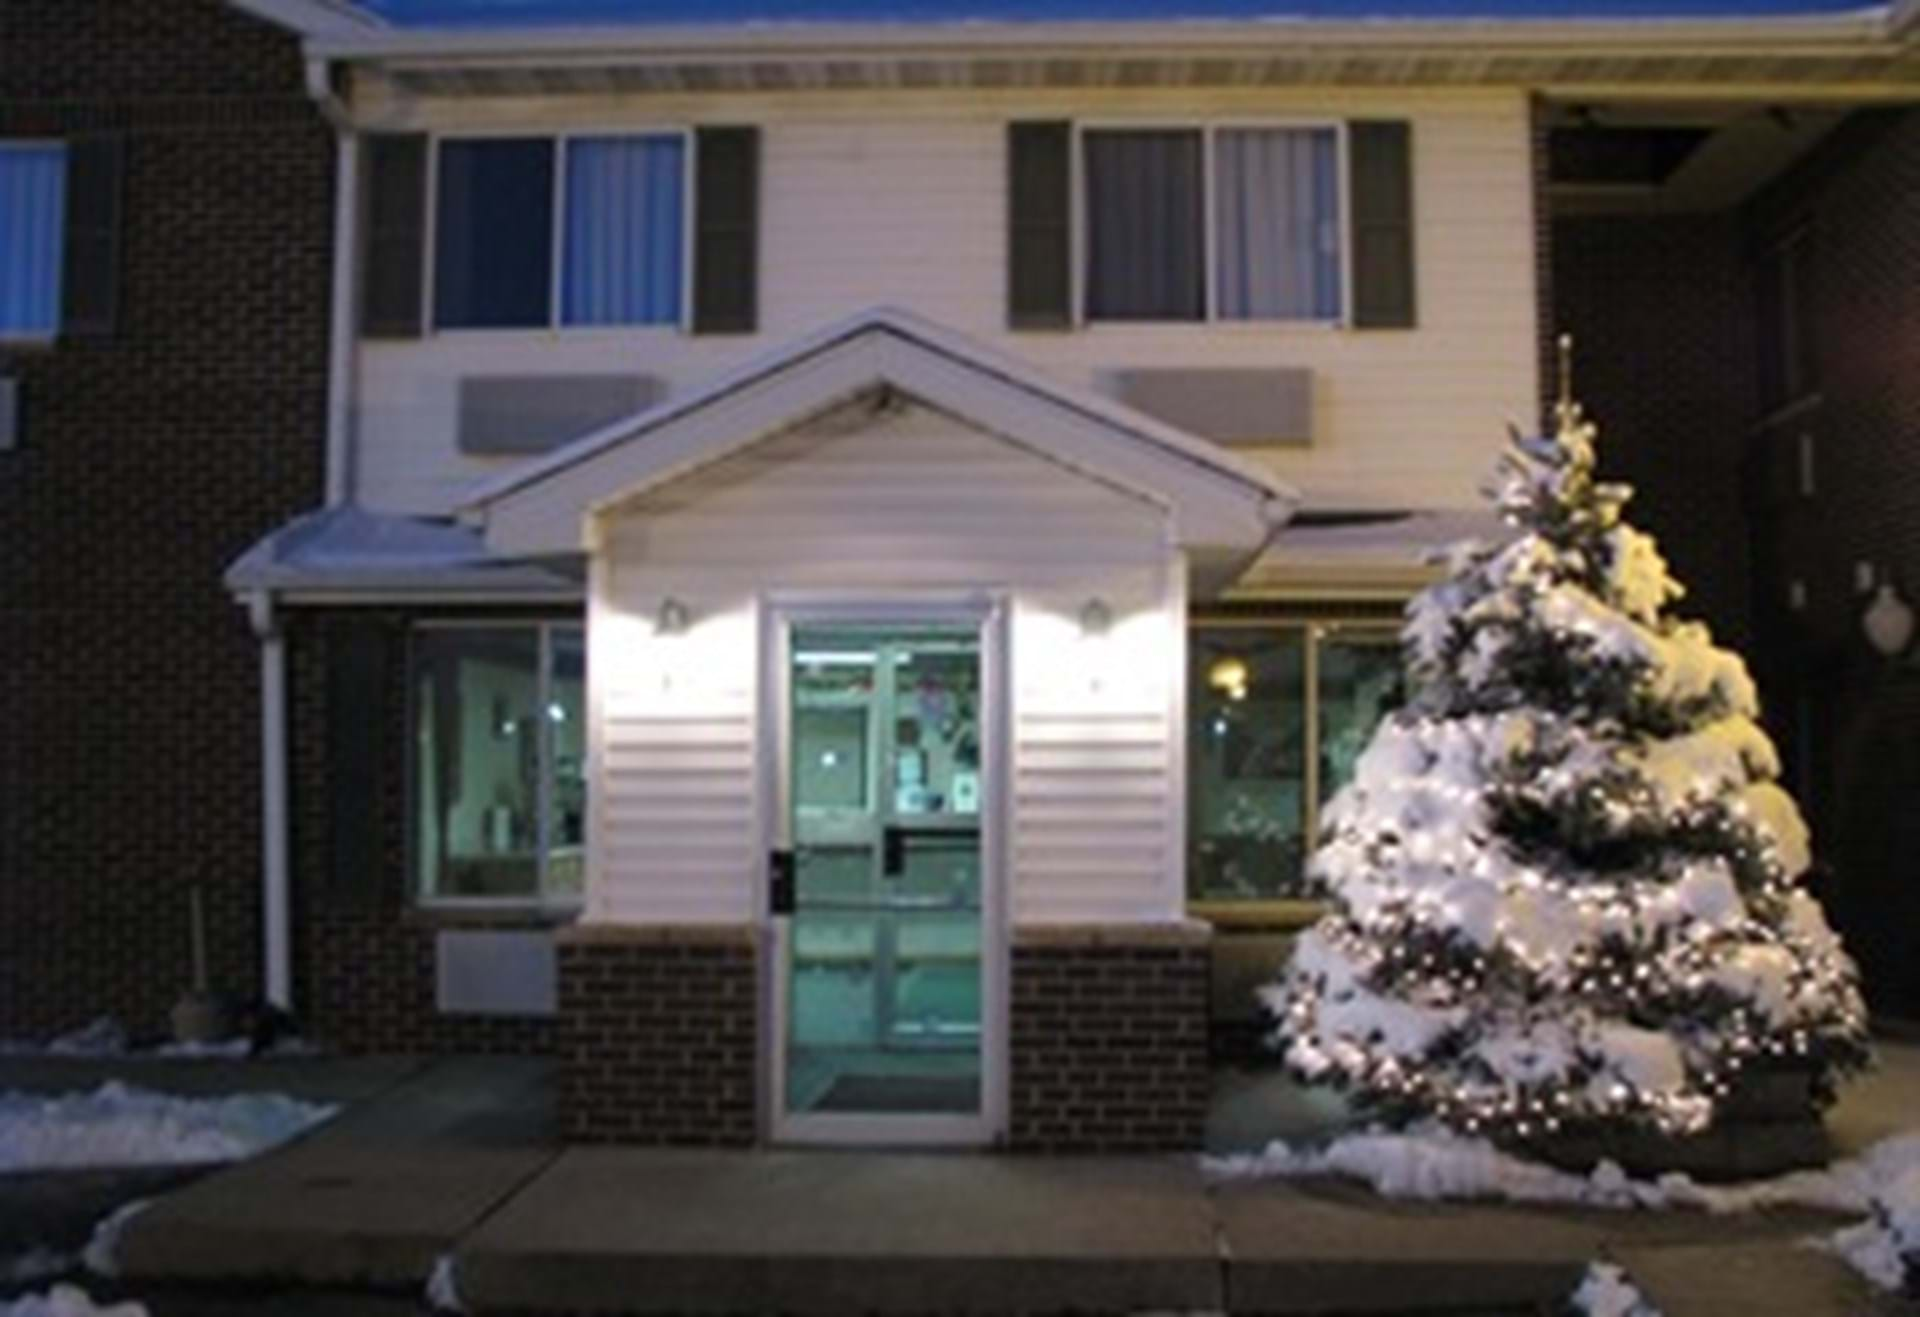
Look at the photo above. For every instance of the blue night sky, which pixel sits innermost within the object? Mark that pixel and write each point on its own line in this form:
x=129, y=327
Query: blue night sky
x=543, y=12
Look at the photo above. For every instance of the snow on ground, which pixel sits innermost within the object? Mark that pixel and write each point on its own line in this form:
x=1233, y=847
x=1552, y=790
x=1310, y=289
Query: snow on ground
x=106, y=1037
x=1882, y=1184
x=67, y=1301
x=1605, y=1291
x=119, y=1125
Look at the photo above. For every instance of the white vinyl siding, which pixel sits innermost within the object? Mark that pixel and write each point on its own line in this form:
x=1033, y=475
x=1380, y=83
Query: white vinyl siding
x=908, y=502
x=900, y=198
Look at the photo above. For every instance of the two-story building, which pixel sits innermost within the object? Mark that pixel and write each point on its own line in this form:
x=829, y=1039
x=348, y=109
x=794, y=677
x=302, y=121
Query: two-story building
x=856, y=542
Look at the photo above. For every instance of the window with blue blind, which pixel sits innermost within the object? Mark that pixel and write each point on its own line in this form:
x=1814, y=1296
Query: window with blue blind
x=625, y=231
x=33, y=186
x=618, y=246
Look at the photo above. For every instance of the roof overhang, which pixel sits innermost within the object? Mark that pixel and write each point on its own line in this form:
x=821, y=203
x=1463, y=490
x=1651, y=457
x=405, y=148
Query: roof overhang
x=1215, y=502
x=1861, y=49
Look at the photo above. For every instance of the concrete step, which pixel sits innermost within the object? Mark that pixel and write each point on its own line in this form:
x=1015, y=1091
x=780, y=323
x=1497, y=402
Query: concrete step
x=1774, y=1279
x=610, y=1230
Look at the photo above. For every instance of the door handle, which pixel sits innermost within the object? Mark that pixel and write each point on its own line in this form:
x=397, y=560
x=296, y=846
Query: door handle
x=780, y=893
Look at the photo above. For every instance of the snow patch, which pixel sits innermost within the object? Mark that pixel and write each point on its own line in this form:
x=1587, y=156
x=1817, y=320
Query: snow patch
x=443, y=1294
x=67, y=1301
x=119, y=1125
x=102, y=1253
x=37, y=1263
x=1605, y=1291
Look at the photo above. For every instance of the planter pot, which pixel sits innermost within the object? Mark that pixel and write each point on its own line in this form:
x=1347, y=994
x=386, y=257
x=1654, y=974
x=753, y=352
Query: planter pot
x=1769, y=1125
x=198, y=1018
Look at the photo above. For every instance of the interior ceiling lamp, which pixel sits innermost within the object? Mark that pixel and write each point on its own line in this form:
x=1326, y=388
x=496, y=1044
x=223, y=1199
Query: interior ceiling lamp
x=1229, y=676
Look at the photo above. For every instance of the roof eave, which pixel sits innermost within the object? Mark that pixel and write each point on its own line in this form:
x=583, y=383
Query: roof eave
x=1865, y=31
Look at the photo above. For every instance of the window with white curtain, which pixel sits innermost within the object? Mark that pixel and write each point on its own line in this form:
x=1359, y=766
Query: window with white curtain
x=618, y=246
x=1269, y=250
x=33, y=187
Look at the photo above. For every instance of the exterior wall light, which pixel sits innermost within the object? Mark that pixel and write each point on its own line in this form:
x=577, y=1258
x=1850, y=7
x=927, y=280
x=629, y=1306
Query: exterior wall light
x=1096, y=618
x=1888, y=621
x=672, y=619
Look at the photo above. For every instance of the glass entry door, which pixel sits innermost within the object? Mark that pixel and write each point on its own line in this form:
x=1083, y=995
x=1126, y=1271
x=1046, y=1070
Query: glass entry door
x=883, y=972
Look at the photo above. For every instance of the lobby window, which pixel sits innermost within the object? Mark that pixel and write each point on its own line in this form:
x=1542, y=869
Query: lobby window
x=1277, y=714
x=33, y=181
x=499, y=762
x=1228, y=223
x=615, y=256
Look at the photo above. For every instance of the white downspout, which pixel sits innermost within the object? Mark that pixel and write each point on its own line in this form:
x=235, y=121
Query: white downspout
x=341, y=334
x=275, y=883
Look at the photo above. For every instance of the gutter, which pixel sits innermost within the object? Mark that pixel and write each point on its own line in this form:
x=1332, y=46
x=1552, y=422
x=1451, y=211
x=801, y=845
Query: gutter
x=340, y=334
x=276, y=886
x=1863, y=31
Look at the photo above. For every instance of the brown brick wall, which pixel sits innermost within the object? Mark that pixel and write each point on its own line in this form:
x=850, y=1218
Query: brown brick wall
x=363, y=948
x=150, y=458
x=1660, y=308
x=1109, y=1039
x=659, y=1035
x=1858, y=718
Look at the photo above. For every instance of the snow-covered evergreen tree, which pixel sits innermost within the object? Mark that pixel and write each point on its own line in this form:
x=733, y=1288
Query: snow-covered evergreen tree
x=1564, y=882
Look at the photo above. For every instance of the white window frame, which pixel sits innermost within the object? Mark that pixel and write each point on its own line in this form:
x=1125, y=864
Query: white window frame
x=1314, y=633
x=543, y=897
x=556, y=243
x=43, y=337
x=1208, y=129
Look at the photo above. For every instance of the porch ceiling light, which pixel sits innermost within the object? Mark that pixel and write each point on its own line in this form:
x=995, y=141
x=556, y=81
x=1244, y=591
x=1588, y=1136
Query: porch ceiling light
x=672, y=619
x=1888, y=621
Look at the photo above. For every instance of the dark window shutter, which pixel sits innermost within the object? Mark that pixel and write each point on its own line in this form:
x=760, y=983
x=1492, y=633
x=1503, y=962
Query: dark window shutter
x=1382, y=190
x=358, y=698
x=1040, y=225
x=394, y=214
x=726, y=244
x=90, y=271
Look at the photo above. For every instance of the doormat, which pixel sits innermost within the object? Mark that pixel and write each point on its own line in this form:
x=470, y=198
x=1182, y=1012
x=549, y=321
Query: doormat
x=956, y=1094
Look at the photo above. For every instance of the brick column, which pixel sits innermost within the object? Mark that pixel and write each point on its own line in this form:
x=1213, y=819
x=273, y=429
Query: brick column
x=659, y=1034
x=1109, y=1037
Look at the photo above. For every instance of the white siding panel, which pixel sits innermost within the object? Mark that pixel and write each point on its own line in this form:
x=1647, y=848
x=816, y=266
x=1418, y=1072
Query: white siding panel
x=899, y=198
x=855, y=504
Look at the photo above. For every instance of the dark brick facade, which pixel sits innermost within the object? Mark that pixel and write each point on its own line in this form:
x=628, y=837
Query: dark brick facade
x=659, y=1035
x=364, y=950
x=149, y=458
x=1109, y=1039
x=1666, y=308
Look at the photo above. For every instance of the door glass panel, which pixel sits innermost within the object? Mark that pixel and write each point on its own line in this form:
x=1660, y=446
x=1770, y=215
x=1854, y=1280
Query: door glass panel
x=884, y=973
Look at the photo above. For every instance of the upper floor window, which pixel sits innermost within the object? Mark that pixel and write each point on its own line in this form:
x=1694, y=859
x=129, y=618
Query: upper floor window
x=33, y=185
x=615, y=256
x=1218, y=223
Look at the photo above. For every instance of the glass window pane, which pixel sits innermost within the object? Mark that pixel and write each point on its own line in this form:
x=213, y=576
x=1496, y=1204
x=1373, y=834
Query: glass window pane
x=33, y=182
x=1277, y=223
x=567, y=790
x=623, y=231
x=476, y=761
x=1145, y=258
x=1246, y=762
x=493, y=234
x=1361, y=681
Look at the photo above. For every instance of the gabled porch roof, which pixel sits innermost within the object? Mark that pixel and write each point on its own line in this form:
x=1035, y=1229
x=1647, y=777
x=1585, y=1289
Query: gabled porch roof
x=1215, y=501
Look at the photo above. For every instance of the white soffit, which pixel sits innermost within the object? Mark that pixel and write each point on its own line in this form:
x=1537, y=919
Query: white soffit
x=1213, y=498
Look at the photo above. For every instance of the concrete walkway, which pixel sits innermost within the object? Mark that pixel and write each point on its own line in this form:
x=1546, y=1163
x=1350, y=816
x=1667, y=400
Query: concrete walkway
x=457, y=1157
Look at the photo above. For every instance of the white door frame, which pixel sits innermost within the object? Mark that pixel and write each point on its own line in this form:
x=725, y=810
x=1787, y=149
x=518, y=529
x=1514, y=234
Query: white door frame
x=779, y=615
